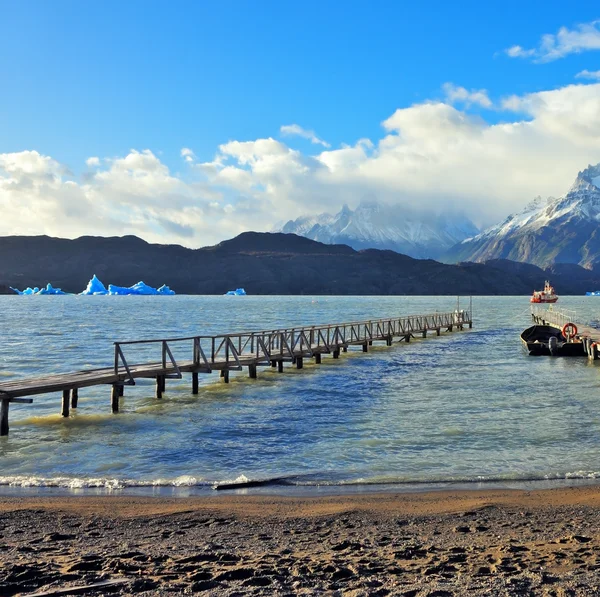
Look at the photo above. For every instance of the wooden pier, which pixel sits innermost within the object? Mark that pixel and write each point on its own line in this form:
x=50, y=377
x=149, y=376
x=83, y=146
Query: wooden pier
x=558, y=318
x=225, y=353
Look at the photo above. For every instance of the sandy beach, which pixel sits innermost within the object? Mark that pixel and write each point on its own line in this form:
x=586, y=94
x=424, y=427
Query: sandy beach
x=495, y=542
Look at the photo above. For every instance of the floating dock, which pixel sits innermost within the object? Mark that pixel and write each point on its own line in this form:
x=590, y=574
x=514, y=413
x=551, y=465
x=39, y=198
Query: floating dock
x=558, y=318
x=225, y=353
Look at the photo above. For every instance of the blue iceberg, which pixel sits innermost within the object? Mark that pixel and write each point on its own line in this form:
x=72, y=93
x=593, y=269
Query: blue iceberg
x=96, y=288
x=139, y=289
x=49, y=289
x=593, y=293
x=236, y=292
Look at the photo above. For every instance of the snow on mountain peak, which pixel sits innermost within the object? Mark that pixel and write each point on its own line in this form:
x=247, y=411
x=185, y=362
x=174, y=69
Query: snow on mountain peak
x=587, y=180
x=379, y=225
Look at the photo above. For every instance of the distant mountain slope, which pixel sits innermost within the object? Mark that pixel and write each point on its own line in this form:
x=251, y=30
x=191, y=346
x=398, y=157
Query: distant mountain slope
x=381, y=226
x=563, y=230
x=266, y=263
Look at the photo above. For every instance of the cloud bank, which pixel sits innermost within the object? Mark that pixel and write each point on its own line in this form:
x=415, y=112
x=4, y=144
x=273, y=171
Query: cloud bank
x=432, y=155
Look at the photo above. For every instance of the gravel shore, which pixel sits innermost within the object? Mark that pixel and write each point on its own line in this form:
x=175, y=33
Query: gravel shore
x=436, y=544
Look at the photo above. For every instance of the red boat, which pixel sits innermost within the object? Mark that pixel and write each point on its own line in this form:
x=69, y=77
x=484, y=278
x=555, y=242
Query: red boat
x=544, y=296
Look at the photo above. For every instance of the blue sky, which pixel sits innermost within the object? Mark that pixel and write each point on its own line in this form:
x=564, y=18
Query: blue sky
x=83, y=79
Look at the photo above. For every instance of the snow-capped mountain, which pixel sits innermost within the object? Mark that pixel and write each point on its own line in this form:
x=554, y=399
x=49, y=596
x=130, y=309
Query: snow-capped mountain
x=563, y=230
x=374, y=225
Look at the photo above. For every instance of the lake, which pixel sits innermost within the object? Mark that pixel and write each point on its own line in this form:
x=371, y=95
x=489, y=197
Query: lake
x=466, y=408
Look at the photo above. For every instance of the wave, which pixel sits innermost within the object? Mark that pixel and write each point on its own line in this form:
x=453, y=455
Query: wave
x=307, y=481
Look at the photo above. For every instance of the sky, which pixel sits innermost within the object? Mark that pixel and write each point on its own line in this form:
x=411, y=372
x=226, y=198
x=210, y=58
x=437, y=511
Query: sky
x=190, y=122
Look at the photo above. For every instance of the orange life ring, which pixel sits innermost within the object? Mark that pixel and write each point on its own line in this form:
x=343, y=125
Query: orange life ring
x=569, y=328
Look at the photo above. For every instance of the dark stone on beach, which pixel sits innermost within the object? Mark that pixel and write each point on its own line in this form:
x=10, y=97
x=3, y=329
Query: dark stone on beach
x=143, y=584
x=59, y=537
x=229, y=557
x=236, y=574
x=548, y=579
x=483, y=571
x=258, y=581
x=410, y=552
x=581, y=538
x=86, y=566
x=200, y=576
x=342, y=574
x=463, y=528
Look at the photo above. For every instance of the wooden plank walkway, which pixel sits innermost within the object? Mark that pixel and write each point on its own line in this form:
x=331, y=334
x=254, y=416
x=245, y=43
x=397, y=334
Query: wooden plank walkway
x=550, y=315
x=225, y=353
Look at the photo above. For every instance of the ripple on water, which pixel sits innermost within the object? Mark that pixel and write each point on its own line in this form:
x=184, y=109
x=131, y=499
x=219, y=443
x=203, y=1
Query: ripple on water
x=467, y=407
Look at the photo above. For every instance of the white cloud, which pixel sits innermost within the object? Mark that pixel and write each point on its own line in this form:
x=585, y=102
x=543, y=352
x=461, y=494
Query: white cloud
x=587, y=74
x=291, y=130
x=93, y=162
x=519, y=52
x=432, y=155
x=187, y=154
x=582, y=38
x=456, y=94
x=135, y=194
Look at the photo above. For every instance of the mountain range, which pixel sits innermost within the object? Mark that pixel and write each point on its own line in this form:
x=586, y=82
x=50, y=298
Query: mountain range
x=375, y=225
x=563, y=230
x=267, y=263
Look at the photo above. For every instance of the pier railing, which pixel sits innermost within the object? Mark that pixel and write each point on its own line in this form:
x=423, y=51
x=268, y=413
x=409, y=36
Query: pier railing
x=168, y=358
x=232, y=351
x=554, y=316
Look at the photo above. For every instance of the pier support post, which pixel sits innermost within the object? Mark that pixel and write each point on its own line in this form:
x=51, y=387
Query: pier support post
x=318, y=358
x=273, y=364
x=121, y=390
x=407, y=338
x=280, y=366
x=299, y=362
x=160, y=386
x=388, y=341
x=365, y=347
x=252, y=371
x=225, y=375
x=4, y=416
x=114, y=397
x=424, y=333
x=470, y=324
x=74, y=397
x=438, y=331
x=65, y=403
x=194, y=382
x=344, y=349
x=336, y=353
x=450, y=328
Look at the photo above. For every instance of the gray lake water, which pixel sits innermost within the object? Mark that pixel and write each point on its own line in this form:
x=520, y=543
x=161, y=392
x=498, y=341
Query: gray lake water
x=468, y=407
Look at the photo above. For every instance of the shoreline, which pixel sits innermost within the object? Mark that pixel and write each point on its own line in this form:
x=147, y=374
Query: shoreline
x=469, y=542
x=273, y=487
x=445, y=502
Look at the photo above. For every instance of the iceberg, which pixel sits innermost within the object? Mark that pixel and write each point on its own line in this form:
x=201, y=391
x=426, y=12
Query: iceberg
x=49, y=289
x=236, y=292
x=139, y=289
x=96, y=288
